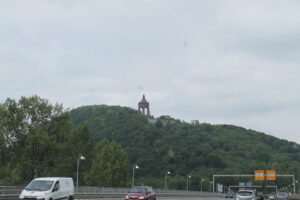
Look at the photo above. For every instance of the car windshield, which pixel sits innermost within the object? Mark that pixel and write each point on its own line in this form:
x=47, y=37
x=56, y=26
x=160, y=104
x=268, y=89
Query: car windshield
x=281, y=194
x=138, y=190
x=245, y=193
x=40, y=185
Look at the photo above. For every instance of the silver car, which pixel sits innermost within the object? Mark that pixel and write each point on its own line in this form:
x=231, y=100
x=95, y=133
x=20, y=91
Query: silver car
x=245, y=195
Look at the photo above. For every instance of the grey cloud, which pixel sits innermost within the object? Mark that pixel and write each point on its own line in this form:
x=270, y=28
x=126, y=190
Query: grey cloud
x=218, y=62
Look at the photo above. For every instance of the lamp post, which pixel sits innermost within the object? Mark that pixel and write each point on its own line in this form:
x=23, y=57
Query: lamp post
x=166, y=179
x=80, y=157
x=211, y=186
x=133, y=169
x=202, y=180
x=187, y=182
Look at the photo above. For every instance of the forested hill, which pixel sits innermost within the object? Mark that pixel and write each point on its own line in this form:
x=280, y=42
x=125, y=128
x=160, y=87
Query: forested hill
x=199, y=149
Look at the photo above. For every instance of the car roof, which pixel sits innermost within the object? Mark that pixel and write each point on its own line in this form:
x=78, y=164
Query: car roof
x=141, y=187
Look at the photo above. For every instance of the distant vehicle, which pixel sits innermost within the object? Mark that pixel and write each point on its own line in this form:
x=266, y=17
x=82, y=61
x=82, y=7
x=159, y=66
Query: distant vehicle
x=229, y=195
x=141, y=192
x=271, y=197
x=261, y=196
x=48, y=188
x=281, y=196
x=245, y=195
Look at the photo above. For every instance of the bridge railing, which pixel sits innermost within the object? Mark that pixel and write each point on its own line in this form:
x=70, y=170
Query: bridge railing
x=16, y=190
x=7, y=190
x=112, y=190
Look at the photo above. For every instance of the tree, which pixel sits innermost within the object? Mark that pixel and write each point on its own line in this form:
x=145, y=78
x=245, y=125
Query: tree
x=3, y=156
x=28, y=129
x=79, y=143
x=109, y=166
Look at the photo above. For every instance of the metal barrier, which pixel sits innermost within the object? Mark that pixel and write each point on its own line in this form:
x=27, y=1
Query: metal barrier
x=83, y=192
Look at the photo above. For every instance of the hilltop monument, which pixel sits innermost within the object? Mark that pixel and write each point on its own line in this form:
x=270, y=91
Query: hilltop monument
x=144, y=105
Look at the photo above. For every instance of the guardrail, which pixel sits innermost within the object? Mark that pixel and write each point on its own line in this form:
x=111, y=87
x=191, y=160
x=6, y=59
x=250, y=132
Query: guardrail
x=10, y=189
x=120, y=196
x=83, y=192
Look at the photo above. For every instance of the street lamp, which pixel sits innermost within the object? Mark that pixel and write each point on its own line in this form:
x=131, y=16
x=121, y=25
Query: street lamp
x=202, y=180
x=187, y=182
x=211, y=186
x=80, y=157
x=166, y=179
x=133, y=169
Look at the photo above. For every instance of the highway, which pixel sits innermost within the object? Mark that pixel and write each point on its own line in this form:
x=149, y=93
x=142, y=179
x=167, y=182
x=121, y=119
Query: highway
x=178, y=198
x=166, y=198
x=191, y=198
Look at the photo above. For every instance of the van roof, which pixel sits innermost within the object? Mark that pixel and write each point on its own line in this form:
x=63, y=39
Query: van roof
x=52, y=178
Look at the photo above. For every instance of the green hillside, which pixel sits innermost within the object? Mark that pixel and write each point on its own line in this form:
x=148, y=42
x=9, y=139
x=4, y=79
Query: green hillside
x=197, y=149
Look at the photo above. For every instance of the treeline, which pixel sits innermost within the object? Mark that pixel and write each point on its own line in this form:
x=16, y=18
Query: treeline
x=37, y=139
x=41, y=139
x=196, y=149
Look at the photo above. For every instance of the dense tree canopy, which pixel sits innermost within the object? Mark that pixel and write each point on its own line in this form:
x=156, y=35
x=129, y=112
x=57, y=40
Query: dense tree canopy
x=198, y=149
x=41, y=139
x=37, y=139
x=109, y=166
x=31, y=137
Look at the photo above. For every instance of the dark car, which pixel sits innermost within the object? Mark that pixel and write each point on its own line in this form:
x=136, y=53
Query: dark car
x=141, y=193
x=261, y=196
x=229, y=195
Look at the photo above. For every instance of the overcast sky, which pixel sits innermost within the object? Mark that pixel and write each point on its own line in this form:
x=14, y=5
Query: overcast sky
x=220, y=62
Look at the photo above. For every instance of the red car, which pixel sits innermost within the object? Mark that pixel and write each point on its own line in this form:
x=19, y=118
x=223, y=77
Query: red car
x=141, y=193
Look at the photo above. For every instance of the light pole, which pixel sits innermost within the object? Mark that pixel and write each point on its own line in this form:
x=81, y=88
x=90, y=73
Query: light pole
x=133, y=169
x=187, y=182
x=211, y=185
x=202, y=180
x=166, y=179
x=80, y=157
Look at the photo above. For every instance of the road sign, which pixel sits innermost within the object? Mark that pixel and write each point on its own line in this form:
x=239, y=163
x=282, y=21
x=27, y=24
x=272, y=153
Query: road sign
x=259, y=175
x=271, y=175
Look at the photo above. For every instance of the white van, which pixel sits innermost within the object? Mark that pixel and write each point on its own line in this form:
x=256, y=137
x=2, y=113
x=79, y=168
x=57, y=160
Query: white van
x=49, y=188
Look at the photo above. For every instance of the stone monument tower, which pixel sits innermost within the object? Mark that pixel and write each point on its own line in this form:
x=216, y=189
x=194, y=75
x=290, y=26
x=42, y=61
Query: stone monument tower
x=144, y=104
